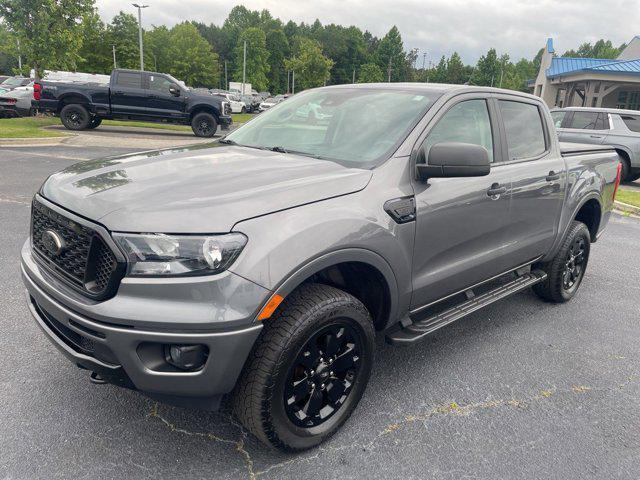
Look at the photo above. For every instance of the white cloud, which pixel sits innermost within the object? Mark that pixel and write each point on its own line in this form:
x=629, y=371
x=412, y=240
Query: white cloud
x=440, y=27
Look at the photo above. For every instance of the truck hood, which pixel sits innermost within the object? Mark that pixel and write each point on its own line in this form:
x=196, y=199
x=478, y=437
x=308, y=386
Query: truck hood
x=200, y=189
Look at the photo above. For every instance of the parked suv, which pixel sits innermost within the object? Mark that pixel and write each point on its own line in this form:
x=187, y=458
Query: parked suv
x=263, y=267
x=603, y=126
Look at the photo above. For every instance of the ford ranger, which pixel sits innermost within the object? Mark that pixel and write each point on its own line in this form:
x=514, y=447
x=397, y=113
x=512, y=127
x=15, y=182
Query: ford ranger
x=132, y=95
x=263, y=265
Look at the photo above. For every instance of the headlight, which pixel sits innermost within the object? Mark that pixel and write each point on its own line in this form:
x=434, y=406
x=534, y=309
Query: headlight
x=157, y=254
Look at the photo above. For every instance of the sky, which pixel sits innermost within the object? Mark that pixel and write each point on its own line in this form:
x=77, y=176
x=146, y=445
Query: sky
x=437, y=27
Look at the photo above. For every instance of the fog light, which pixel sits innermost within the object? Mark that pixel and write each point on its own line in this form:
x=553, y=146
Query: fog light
x=186, y=357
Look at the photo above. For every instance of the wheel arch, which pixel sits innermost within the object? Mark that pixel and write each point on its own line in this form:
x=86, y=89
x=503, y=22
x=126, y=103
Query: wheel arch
x=589, y=212
x=73, y=98
x=360, y=272
x=202, y=107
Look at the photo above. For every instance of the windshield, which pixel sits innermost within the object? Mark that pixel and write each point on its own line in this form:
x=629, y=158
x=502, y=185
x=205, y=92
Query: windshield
x=13, y=82
x=357, y=127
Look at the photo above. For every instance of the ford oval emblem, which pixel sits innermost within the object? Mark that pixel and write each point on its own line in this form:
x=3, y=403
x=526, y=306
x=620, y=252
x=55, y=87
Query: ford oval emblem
x=53, y=242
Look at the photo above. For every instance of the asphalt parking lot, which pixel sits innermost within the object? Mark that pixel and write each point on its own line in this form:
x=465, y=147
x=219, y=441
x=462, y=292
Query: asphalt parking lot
x=522, y=389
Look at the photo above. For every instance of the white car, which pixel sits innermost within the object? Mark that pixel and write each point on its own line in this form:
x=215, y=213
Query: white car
x=237, y=106
x=270, y=102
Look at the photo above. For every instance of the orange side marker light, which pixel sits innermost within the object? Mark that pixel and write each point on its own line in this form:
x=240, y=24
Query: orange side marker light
x=270, y=307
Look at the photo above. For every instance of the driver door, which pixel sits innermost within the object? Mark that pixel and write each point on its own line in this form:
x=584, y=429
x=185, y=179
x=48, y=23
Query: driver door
x=461, y=223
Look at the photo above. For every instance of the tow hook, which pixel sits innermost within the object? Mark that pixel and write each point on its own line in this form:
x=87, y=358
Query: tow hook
x=97, y=379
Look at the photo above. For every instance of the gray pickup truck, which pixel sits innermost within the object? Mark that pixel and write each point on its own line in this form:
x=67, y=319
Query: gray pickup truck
x=262, y=266
x=616, y=128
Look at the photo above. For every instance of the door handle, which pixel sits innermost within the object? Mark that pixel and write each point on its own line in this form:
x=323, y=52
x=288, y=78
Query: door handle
x=553, y=176
x=595, y=136
x=496, y=190
x=118, y=92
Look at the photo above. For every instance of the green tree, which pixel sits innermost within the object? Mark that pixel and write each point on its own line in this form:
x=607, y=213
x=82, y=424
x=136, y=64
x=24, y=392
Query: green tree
x=257, y=58
x=311, y=67
x=193, y=60
x=278, y=48
x=456, y=72
x=391, y=57
x=8, y=51
x=488, y=68
x=95, y=53
x=370, y=73
x=157, y=42
x=123, y=33
x=49, y=30
x=601, y=49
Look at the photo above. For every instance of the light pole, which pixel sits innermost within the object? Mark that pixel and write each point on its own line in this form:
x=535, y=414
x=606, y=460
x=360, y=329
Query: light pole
x=113, y=49
x=244, y=66
x=140, y=7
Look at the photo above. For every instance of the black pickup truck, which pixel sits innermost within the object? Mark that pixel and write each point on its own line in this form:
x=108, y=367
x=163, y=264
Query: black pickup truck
x=132, y=95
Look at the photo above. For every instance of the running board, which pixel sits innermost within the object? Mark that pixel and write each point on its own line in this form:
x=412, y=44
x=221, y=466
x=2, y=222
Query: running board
x=418, y=330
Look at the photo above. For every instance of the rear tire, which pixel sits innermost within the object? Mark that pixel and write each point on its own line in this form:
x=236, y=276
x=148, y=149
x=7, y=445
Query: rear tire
x=308, y=369
x=94, y=123
x=243, y=110
x=625, y=172
x=204, y=125
x=566, y=270
x=75, y=117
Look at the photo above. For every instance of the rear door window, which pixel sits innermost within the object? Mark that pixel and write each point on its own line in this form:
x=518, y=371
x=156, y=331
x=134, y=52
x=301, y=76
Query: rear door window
x=129, y=80
x=632, y=122
x=524, y=129
x=585, y=121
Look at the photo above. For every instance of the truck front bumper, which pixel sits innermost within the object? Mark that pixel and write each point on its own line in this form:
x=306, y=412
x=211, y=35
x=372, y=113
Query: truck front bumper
x=135, y=356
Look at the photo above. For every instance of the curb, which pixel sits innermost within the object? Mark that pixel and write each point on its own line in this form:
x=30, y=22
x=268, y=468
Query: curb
x=33, y=142
x=625, y=207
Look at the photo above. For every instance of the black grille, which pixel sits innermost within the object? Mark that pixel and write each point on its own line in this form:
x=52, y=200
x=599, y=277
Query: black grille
x=73, y=251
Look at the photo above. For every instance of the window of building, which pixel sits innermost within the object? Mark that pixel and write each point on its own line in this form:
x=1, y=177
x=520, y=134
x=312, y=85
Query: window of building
x=466, y=122
x=129, y=80
x=524, y=129
x=628, y=100
x=632, y=122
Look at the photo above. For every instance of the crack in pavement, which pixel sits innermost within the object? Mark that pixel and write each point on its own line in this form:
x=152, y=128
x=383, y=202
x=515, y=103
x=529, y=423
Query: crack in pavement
x=238, y=444
x=450, y=408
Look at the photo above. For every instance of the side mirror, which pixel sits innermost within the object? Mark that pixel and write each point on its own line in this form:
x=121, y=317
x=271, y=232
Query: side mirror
x=174, y=90
x=453, y=159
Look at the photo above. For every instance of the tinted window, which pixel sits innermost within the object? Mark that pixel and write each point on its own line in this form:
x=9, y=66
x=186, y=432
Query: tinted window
x=632, y=122
x=159, y=83
x=466, y=122
x=524, y=129
x=558, y=117
x=584, y=120
x=129, y=80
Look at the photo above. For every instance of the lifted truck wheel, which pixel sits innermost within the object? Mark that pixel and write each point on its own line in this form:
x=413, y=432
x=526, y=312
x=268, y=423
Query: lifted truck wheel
x=75, y=117
x=94, y=123
x=308, y=370
x=204, y=125
x=566, y=270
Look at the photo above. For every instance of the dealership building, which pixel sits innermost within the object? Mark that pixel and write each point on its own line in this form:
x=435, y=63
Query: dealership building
x=590, y=82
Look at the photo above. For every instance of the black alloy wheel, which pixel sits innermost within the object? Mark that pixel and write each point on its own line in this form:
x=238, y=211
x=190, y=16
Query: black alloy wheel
x=322, y=375
x=574, y=264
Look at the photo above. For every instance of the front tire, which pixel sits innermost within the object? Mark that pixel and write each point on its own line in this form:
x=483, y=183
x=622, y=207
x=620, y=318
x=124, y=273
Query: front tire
x=204, y=125
x=95, y=123
x=566, y=270
x=308, y=369
x=75, y=117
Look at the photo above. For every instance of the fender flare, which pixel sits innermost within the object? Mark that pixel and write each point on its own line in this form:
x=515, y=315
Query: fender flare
x=361, y=255
x=589, y=196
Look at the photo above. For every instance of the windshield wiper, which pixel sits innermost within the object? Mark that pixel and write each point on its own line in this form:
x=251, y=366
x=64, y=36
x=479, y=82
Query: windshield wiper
x=294, y=152
x=226, y=141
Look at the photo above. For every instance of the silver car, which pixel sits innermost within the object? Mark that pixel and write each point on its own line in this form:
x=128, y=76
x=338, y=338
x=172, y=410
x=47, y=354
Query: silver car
x=603, y=126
